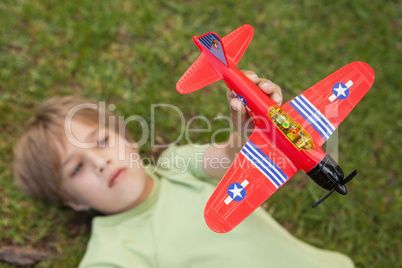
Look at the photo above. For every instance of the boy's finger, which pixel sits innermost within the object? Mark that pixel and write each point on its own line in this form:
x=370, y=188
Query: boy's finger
x=252, y=76
x=229, y=95
x=272, y=90
x=237, y=106
x=276, y=98
x=238, y=115
x=269, y=88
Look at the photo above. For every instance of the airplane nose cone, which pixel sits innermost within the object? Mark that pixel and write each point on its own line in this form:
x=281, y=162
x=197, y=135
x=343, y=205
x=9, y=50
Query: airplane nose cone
x=341, y=189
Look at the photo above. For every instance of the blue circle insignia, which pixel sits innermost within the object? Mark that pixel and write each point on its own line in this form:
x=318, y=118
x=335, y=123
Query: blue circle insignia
x=240, y=97
x=236, y=192
x=340, y=90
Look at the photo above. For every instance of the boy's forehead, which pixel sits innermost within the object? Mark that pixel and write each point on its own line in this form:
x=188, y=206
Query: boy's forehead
x=78, y=134
x=81, y=131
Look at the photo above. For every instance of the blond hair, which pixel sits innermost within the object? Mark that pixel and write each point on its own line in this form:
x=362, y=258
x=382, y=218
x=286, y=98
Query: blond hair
x=37, y=166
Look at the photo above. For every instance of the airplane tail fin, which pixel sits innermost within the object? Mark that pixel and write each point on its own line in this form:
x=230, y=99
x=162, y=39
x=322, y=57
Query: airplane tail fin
x=227, y=51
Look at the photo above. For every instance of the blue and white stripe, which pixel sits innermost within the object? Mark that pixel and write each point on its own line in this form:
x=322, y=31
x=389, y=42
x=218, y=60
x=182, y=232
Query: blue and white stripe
x=207, y=40
x=316, y=119
x=264, y=164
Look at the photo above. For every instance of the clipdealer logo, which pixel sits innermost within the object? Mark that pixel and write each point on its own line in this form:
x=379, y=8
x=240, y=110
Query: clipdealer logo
x=149, y=129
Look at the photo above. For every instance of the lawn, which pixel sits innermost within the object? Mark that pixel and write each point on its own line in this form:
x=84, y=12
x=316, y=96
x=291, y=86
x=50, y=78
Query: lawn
x=131, y=54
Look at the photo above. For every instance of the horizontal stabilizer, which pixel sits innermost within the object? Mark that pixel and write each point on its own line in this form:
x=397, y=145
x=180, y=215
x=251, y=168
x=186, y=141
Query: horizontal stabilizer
x=199, y=75
x=236, y=42
x=227, y=51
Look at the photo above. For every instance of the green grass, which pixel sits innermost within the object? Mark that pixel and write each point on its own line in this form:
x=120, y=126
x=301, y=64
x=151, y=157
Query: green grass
x=131, y=54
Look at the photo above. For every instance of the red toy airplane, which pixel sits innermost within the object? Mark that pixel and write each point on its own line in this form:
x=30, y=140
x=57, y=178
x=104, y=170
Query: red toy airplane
x=285, y=140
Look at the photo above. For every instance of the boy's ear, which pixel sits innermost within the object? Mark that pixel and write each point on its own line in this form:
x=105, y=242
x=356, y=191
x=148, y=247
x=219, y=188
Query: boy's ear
x=76, y=206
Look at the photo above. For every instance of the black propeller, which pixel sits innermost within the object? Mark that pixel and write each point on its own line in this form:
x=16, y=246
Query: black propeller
x=340, y=188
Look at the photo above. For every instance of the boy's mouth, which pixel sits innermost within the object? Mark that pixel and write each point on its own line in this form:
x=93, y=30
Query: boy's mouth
x=116, y=176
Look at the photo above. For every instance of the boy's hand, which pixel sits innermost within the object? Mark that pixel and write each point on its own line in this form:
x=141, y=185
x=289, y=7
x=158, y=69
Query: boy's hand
x=243, y=124
x=240, y=118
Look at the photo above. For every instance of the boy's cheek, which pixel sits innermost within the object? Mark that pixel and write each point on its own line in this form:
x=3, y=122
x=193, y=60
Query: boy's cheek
x=134, y=160
x=126, y=150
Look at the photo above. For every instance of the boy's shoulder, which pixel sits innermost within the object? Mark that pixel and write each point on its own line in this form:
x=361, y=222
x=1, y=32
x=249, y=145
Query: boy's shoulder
x=183, y=159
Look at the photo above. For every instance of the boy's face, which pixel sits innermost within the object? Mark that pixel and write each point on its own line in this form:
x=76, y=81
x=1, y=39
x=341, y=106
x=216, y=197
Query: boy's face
x=98, y=177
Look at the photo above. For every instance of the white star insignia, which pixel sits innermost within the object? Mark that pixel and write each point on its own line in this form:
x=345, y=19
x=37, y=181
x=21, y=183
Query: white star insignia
x=236, y=191
x=341, y=90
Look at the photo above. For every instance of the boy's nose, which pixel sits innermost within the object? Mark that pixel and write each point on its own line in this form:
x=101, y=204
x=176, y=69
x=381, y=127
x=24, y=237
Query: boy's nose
x=101, y=167
x=99, y=161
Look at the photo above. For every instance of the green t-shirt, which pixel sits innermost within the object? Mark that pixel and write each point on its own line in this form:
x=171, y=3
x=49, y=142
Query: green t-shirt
x=168, y=228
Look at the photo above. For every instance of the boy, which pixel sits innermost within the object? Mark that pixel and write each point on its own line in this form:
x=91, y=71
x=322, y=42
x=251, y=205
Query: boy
x=73, y=156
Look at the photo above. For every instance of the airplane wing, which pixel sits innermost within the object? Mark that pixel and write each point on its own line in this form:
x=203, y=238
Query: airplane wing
x=321, y=108
x=257, y=172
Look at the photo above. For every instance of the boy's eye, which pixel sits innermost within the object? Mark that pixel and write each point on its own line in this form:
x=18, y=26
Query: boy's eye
x=77, y=169
x=102, y=143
